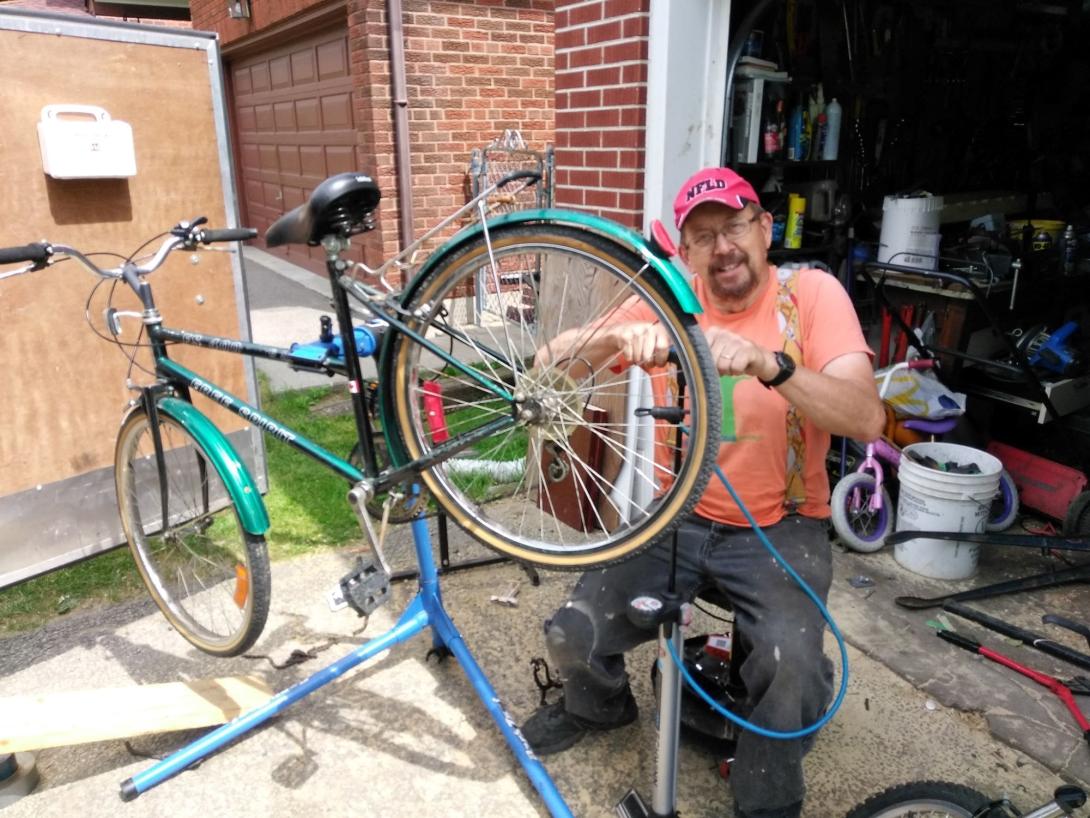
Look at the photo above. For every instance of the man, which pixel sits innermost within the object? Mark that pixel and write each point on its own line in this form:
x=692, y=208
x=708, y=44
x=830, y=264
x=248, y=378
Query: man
x=790, y=351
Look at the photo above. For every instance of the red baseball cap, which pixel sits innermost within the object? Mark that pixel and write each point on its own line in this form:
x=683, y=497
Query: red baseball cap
x=713, y=185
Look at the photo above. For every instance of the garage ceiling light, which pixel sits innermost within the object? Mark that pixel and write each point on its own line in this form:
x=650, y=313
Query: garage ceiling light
x=239, y=9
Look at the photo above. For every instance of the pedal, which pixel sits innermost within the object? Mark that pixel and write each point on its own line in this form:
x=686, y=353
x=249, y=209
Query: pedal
x=632, y=806
x=366, y=587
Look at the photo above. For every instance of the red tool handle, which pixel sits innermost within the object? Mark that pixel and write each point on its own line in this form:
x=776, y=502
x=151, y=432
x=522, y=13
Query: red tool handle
x=1052, y=683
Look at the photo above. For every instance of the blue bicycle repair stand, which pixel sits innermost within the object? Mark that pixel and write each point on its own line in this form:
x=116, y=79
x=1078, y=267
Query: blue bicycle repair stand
x=425, y=611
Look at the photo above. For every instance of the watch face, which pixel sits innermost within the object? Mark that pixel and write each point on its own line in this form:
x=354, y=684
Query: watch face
x=787, y=369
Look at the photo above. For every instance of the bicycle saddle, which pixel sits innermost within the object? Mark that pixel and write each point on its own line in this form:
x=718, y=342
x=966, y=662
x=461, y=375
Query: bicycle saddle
x=338, y=206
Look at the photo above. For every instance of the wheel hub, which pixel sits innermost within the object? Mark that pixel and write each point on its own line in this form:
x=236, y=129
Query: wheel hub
x=549, y=403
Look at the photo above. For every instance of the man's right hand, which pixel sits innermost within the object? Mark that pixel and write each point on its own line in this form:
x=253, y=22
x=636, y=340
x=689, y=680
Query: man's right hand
x=640, y=343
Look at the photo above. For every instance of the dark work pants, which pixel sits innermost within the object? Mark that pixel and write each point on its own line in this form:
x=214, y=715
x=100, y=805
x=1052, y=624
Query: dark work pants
x=787, y=676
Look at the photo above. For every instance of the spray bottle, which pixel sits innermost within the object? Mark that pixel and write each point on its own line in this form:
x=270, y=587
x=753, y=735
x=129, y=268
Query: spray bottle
x=833, y=115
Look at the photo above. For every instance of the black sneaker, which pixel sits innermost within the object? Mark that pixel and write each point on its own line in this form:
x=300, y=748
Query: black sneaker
x=552, y=728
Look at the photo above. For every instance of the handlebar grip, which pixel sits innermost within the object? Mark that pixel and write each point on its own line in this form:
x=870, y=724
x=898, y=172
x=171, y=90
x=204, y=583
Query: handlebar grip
x=921, y=363
x=36, y=253
x=227, y=234
x=958, y=639
x=519, y=174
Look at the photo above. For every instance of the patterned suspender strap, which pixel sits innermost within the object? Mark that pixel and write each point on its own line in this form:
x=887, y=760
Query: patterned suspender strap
x=788, y=304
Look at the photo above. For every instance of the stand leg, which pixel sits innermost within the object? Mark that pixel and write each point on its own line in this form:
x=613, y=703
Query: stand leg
x=412, y=622
x=426, y=610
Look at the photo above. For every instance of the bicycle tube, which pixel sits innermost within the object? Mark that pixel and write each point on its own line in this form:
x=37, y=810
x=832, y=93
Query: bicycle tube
x=626, y=237
x=232, y=471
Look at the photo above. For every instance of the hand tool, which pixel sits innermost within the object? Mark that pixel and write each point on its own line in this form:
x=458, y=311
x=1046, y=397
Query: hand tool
x=1049, y=579
x=1034, y=640
x=1065, y=691
x=1064, y=622
x=1020, y=540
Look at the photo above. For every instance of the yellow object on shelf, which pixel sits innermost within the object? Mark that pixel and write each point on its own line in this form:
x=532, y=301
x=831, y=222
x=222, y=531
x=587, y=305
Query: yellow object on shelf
x=796, y=209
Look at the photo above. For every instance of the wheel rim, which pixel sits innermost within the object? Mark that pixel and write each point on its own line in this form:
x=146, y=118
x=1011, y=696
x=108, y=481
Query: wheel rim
x=925, y=809
x=558, y=506
x=197, y=568
x=867, y=524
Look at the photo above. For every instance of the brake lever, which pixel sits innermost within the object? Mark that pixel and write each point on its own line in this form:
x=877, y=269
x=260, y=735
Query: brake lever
x=187, y=230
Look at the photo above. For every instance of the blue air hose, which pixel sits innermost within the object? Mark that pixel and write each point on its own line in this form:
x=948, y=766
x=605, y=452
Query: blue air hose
x=743, y=723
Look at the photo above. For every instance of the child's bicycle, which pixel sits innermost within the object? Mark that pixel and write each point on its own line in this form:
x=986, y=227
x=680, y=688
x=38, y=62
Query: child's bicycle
x=862, y=512
x=458, y=350
x=941, y=799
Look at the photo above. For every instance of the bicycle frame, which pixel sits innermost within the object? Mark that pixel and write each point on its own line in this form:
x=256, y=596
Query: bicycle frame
x=877, y=452
x=186, y=381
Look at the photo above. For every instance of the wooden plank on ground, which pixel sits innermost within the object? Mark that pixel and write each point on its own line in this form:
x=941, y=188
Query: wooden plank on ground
x=79, y=716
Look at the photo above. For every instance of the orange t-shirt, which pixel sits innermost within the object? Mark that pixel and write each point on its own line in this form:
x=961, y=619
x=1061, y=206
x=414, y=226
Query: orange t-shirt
x=755, y=462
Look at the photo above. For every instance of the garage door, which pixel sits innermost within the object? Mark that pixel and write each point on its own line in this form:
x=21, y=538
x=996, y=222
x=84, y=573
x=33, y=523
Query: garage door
x=293, y=115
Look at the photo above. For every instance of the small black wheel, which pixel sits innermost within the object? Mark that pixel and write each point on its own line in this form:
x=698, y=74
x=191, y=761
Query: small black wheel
x=927, y=799
x=1077, y=520
x=208, y=575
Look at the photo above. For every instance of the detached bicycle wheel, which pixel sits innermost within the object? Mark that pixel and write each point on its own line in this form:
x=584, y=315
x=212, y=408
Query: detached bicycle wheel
x=568, y=466
x=926, y=799
x=209, y=577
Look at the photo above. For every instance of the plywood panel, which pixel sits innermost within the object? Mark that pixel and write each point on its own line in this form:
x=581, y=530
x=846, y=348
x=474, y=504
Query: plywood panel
x=64, y=388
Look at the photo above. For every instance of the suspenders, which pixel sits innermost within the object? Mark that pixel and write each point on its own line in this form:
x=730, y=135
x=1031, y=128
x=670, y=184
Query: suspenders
x=790, y=326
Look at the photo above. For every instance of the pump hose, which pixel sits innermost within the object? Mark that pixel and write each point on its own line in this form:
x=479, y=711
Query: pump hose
x=716, y=706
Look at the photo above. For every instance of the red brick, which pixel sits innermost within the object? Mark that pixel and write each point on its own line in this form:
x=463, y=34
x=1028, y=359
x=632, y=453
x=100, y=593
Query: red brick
x=603, y=118
x=602, y=159
x=604, y=32
x=581, y=15
x=611, y=75
x=633, y=27
x=622, y=179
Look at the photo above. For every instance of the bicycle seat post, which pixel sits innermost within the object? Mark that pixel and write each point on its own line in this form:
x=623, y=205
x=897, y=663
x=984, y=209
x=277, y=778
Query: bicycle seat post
x=334, y=246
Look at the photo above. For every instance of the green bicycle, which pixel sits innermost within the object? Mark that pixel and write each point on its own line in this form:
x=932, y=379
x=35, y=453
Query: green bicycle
x=457, y=382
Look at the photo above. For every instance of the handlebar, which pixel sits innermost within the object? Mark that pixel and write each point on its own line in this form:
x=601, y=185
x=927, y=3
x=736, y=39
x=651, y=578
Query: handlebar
x=186, y=234
x=915, y=363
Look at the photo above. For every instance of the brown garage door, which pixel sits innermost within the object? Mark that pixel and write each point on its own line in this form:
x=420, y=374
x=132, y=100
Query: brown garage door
x=293, y=115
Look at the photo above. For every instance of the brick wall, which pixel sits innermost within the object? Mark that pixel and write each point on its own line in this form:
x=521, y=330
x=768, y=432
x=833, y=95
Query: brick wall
x=473, y=70
x=211, y=15
x=601, y=98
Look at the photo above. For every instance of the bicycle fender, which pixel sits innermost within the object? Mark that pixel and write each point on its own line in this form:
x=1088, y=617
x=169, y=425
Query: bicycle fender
x=232, y=471
x=674, y=279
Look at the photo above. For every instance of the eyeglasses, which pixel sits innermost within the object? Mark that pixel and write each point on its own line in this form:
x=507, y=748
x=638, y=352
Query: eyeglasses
x=705, y=239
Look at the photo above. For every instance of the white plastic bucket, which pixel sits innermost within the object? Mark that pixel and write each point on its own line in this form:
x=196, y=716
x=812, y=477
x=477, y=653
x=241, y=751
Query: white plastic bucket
x=910, y=230
x=933, y=500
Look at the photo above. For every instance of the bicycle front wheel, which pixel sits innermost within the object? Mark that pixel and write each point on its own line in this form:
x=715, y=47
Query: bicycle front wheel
x=562, y=471
x=209, y=577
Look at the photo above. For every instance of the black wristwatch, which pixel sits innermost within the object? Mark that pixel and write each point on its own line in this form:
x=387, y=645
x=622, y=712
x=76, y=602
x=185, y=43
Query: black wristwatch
x=787, y=369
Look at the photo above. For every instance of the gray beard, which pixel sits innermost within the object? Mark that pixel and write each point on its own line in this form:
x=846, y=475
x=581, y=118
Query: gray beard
x=736, y=292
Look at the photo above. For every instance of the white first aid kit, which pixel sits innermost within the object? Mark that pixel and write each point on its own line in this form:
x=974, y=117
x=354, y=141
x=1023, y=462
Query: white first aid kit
x=82, y=142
